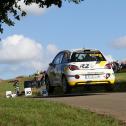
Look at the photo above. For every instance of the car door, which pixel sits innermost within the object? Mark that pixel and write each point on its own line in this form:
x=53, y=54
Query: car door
x=57, y=71
x=64, y=59
x=54, y=69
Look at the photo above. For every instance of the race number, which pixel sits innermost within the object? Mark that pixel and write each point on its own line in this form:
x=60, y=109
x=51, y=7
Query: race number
x=28, y=92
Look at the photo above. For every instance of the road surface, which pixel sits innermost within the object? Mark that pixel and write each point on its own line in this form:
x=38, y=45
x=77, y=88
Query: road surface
x=113, y=104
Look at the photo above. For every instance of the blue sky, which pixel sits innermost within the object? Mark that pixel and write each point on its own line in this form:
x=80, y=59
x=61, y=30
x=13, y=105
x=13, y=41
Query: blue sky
x=99, y=24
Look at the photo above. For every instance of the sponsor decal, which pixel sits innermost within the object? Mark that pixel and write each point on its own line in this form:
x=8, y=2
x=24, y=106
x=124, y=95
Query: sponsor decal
x=84, y=66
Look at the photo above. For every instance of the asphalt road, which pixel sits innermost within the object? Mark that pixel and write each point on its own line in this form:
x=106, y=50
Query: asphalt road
x=113, y=104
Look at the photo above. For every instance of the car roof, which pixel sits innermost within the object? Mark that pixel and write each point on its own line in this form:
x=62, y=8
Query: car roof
x=81, y=50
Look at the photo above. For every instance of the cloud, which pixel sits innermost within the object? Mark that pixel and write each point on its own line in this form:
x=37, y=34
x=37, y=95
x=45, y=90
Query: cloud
x=119, y=43
x=31, y=9
x=52, y=49
x=19, y=54
x=17, y=48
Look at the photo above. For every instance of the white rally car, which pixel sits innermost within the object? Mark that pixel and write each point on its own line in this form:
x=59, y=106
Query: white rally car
x=79, y=67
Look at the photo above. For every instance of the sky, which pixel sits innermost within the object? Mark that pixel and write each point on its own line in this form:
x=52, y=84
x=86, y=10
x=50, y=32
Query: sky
x=33, y=42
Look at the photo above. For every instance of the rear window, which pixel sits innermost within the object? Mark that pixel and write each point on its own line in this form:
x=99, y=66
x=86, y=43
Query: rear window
x=87, y=57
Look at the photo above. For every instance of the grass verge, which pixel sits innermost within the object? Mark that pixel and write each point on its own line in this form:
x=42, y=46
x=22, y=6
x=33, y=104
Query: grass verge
x=31, y=112
x=120, y=85
x=120, y=77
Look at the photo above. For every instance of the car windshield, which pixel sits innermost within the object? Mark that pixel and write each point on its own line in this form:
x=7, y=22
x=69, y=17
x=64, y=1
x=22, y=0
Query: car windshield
x=87, y=57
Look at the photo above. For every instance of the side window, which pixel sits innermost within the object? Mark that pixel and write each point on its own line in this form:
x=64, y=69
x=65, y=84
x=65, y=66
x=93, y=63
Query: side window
x=66, y=57
x=58, y=59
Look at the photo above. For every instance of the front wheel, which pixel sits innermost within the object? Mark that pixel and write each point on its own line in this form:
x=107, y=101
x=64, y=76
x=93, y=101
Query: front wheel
x=66, y=88
x=49, y=88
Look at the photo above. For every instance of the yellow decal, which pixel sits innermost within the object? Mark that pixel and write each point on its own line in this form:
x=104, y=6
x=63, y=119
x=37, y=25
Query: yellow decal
x=102, y=63
x=73, y=83
x=98, y=55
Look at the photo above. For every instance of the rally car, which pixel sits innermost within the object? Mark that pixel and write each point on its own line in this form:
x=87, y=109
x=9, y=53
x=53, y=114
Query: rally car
x=77, y=68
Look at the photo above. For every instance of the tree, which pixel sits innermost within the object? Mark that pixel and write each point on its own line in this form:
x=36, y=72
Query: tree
x=10, y=9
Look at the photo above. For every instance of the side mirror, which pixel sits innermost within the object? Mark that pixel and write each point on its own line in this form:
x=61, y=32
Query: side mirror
x=50, y=64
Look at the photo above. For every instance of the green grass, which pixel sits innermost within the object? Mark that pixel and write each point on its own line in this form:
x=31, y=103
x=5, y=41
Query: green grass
x=120, y=77
x=4, y=86
x=31, y=112
x=120, y=82
x=7, y=86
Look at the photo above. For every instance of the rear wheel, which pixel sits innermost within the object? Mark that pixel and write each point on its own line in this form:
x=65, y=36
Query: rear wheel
x=66, y=88
x=49, y=88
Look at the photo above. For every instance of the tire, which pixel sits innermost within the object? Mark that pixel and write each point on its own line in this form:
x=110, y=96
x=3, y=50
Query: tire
x=109, y=87
x=65, y=87
x=49, y=88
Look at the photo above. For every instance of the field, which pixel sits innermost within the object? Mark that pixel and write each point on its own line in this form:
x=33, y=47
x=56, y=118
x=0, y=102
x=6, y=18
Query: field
x=120, y=77
x=30, y=112
x=120, y=82
x=23, y=111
